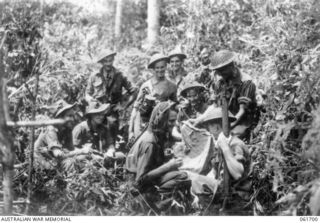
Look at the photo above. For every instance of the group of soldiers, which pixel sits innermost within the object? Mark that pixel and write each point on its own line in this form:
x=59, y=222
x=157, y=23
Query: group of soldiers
x=174, y=113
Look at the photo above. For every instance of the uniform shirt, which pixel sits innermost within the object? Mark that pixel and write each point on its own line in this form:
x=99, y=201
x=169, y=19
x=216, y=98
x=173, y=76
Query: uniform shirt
x=239, y=91
x=107, y=86
x=162, y=90
x=144, y=156
x=100, y=139
x=51, y=138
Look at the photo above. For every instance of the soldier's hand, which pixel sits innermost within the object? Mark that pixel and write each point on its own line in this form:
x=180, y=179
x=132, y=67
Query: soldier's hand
x=57, y=153
x=109, y=153
x=86, y=150
x=233, y=124
x=175, y=163
x=223, y=141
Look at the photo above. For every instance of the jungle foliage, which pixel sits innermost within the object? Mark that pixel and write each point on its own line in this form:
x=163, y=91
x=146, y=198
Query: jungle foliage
x=277, y=44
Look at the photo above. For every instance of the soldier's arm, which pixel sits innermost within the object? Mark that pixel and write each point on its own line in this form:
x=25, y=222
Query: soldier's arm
x=143, y=164
x=241, y=112
x=235, y=167
x=131, y=90
x=52, y=140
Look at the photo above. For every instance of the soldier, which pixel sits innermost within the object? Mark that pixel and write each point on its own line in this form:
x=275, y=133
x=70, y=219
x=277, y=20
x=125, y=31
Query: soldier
x=158, y=86
x=177, y=72
x=234, y=150
x=240, y=93
x=106, y=86
x=93, y=131
x=143, y=115
x=56, y=141
x=194, y=103
x=145, y=162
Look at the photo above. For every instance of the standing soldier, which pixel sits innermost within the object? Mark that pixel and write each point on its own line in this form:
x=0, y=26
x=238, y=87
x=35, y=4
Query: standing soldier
x=158, y=87
x=177, y=72
x=240, y=94
x=106, y=86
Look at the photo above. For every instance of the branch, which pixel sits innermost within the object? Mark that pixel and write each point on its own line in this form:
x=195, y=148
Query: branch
x=36, y=123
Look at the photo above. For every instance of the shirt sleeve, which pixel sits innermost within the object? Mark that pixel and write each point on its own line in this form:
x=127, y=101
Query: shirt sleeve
x=127, y=85
x=145, y=162
x=239, y=151
x=76, y=136
x=52, y=140
x=247, y=93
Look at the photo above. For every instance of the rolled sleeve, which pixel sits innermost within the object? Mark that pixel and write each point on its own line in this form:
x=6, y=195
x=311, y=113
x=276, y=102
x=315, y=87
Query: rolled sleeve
x=127, y=85
x=52, y=140
x=76, y=136
x=247, y=93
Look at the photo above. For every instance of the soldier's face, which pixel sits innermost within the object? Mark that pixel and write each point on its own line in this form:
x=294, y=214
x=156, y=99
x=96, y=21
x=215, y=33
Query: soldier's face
x=226, y=71
x=98, y=118
x=160, y=69
x=215, y=128
x=175, y=63
x=107, y=62
x=192, y=96
x=70, y=117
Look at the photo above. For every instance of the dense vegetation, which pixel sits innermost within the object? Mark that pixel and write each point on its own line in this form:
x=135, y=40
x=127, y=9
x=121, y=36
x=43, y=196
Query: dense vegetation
x=277, y=43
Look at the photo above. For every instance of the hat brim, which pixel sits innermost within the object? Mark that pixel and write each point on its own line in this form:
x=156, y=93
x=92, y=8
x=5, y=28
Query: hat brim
x=104, y=56
x=221, y=65
x=183, y=92
x=231, y=119
x=105, y=108
x=64, y=109
x=180, y=55
x=151, y=65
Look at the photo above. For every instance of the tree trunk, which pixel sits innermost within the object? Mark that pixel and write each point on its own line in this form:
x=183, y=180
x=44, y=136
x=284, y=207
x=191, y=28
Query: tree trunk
x=153, y=21
x=32, y=139
x=6, y=143
x=118, y=23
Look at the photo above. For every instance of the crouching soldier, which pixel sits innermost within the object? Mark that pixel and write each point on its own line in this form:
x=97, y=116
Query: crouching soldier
x=232, y=149
x=56, y=141
x=146, y=164
x=191, y=106
x=106, y=86
x=94, y=132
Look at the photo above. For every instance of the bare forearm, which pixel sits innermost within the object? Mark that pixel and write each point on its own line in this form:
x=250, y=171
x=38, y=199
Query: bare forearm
x=240, y=112
x=158, y=172
x=234, y=166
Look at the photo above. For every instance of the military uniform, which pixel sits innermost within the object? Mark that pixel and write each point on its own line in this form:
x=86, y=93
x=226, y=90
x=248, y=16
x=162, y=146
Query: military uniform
x=100, y=139
x=239, y=92
x=107, y=88
x=49, y=139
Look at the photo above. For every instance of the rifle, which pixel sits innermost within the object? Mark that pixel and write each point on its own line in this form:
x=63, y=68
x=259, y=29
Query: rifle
x=226, y=131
